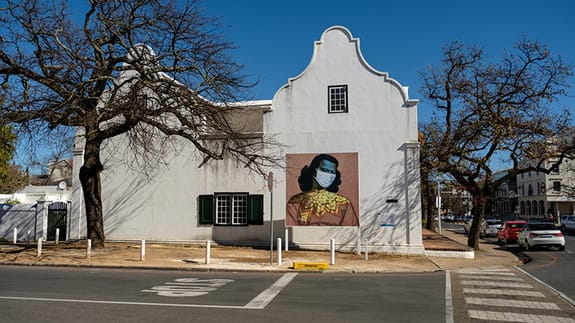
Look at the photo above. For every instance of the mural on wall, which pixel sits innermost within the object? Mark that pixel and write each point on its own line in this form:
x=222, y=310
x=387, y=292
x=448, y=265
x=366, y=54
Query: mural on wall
x=322, y=189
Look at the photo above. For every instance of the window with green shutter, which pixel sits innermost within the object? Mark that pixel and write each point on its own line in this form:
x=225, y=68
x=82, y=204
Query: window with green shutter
x=206, y=210
x=231, y=209
x=256, y=209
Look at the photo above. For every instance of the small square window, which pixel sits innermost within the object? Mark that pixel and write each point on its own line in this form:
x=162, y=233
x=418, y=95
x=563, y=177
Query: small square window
x=556, y=186
x=337, y=98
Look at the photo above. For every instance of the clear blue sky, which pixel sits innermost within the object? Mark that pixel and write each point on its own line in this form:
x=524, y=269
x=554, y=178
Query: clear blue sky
x=275, y=38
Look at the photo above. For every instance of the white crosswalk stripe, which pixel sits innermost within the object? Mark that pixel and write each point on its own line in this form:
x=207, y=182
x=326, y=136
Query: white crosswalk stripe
x=502, y=278
x=490, y=289
x=493, y=291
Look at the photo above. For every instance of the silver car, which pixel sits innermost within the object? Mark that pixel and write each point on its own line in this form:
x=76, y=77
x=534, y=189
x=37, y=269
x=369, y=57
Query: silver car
x=489, y=227
x=568, y=223
x=540, y=234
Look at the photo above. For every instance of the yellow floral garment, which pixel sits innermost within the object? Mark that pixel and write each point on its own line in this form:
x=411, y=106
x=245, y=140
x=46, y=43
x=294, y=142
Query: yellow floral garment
x=320, y=207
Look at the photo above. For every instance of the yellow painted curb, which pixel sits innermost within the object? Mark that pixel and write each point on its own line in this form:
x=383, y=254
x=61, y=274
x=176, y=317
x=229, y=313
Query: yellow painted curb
x=311, y=265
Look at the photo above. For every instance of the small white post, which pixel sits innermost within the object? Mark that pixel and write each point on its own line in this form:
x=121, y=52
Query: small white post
x=366, y=250
x=208, y=247
x=332, y=251
x=15, y=236
x=287, y=240
x=279, y=251
x=142, y=250
x=88, y=248
x=57, y=235
x=358, y=248
x=39, y=253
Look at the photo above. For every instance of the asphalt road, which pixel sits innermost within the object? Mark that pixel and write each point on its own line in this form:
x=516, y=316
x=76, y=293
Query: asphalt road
x=44, y=294
x=555, y=268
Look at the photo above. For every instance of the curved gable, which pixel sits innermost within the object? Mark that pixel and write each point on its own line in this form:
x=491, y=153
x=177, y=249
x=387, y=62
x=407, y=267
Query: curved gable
x=340, y=40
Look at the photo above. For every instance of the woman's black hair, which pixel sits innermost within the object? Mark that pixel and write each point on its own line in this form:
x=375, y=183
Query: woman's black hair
x=306, y=178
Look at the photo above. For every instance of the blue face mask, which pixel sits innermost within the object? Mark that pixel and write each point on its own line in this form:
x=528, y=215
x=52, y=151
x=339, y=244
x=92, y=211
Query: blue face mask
x=324, y=179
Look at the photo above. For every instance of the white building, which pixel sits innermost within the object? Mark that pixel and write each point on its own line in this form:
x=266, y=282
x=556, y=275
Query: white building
x=339, y=105
x=540, y=194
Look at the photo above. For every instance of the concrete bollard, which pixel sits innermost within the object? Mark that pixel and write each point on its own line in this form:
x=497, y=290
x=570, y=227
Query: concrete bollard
x=57, y=235
x=88, y=248
x=332, y=251
x=142, y=250
x=15, y=235
x=39, y=251
x=208, y=251
x=279, y=251
x=287, y=241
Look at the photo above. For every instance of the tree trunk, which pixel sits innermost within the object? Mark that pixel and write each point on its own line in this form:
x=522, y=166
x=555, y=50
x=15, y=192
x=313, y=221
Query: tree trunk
x=478, y=211
x=90, y=180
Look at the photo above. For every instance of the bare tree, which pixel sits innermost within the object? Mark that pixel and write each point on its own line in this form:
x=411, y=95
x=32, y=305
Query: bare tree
x=148, y=70
x=497, y=111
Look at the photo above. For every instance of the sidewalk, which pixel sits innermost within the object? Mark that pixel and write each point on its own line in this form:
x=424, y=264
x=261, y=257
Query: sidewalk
x=442, y=252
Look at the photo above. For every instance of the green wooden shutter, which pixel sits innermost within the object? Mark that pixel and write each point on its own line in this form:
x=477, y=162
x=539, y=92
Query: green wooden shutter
x=256, y=209
x=206, y=209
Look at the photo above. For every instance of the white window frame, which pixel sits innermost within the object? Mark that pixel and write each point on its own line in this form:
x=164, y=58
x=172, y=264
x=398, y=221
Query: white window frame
x=231, y=208
x=337, y=96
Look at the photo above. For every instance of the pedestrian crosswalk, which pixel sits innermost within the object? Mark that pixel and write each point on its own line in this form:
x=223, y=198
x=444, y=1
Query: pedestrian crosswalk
x=503, y=295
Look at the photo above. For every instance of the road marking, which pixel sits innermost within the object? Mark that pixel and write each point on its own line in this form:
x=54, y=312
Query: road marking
x=507, y=292
x=503, y=278
x=188, y=287
x=265, y=297
x=496, y=284
x=493, y=270
x=517, y=317
x=448, y=299
x=511, y=303
x=117, y=302
x=493, y=274
x=502, y=285
x=565, y=297
x=258, y=303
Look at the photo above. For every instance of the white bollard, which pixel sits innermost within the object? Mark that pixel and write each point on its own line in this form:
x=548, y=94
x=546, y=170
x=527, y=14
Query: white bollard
x=208, y=251
x=358, y=248
x=15, y=235
x=332, y=251
x=29, y=237
x=366, y=251
x=39, y=253
x=88, y=248
x=57, y=235
x=279, y=251
x=142, y=250
x=287, y=241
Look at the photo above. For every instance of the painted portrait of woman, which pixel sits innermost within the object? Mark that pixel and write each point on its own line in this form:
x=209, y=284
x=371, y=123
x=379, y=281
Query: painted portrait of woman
x=319, y=202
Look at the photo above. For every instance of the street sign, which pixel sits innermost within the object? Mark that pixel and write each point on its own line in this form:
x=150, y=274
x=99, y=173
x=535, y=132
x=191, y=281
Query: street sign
x=270, y=181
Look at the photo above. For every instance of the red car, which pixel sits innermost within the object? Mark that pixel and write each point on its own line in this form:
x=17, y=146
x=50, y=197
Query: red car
x=508, y=231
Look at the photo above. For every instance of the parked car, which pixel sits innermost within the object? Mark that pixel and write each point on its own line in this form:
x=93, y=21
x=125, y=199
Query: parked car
x=568, y=223
x=507, y=232
x=540, y=234
x=489, y=227
x=467, y=224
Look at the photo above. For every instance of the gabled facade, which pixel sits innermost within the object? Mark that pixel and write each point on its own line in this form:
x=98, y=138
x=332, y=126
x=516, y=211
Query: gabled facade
x=367, y=190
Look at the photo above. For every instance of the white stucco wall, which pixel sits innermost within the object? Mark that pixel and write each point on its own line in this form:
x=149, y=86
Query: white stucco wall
x=381, y=127
x=380, y=121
